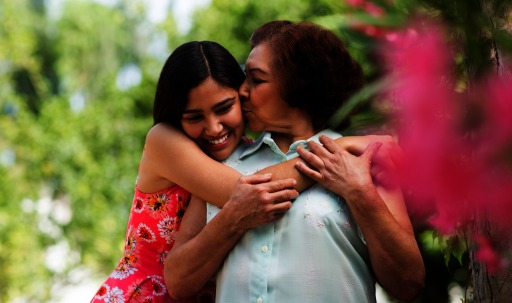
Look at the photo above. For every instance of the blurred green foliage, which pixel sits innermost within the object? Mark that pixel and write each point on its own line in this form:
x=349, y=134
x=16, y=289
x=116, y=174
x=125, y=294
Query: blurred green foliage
x=71, y=134
x=70, y=139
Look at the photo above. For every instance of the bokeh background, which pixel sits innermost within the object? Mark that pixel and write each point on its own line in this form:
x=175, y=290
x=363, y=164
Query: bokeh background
x=77, y=80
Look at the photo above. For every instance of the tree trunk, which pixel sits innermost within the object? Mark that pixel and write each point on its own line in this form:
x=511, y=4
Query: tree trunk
x=495, y=287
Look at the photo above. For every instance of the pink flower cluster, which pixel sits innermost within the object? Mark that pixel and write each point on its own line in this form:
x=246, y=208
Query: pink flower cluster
x=373, y=10
x=368, y=6
x=457, y=141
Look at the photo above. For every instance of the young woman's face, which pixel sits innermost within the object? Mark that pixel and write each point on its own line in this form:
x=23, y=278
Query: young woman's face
x=263, y=106
x=213, y=119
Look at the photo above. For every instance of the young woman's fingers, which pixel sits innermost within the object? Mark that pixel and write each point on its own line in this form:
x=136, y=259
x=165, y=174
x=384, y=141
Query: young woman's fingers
x=396, y=155
x=371, y=150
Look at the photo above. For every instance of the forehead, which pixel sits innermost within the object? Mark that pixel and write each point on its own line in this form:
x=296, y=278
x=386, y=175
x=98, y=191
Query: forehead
x=209, y=92
x=260, y=58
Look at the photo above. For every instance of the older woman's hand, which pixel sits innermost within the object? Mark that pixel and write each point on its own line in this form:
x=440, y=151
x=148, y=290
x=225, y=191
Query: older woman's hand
x=337, y=169
x=255, y=201
x=384, y=162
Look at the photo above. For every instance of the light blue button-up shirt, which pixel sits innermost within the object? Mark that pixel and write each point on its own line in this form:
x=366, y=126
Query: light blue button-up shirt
x=313, y=254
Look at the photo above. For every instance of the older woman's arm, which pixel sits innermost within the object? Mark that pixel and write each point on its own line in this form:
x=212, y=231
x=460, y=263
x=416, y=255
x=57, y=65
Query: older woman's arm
x=201, y=248
x=188, y=267
x=379, y=211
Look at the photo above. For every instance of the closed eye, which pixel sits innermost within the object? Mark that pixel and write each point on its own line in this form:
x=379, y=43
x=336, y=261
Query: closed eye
x=224, y=106
x=193, y=118
x=256, y=80
x=224, y=109
x=252, y=74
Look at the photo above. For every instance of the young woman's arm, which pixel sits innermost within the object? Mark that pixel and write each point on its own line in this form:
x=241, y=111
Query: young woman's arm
x=170, y=156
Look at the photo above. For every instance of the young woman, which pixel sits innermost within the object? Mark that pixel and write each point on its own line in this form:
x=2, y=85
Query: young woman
x=197, y=93
x=197, y=123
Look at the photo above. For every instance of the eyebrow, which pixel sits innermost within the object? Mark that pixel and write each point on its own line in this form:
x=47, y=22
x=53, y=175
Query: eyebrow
x=216, y=106
x=255, y=69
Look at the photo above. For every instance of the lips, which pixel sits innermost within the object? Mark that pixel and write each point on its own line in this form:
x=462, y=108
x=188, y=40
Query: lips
x=218, y=140
x=246, y=107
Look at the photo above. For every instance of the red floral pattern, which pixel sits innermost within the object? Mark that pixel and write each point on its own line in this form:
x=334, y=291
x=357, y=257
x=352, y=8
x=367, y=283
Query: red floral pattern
x=154, y=222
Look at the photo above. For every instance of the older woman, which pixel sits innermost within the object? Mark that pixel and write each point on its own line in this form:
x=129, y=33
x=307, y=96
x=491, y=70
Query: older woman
x=337, y=239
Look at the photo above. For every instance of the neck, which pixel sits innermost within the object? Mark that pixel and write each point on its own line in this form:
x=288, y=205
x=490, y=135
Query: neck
x=299, y=131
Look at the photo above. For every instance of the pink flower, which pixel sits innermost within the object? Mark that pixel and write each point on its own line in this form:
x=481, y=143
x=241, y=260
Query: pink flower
x=373, y=10
x=457, y=147
x=355, y=3
x=486, y=254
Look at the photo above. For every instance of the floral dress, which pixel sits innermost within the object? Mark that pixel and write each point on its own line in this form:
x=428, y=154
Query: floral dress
x=152, y=228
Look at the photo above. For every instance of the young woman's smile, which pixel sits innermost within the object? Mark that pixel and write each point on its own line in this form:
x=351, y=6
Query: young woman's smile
x=213, y=119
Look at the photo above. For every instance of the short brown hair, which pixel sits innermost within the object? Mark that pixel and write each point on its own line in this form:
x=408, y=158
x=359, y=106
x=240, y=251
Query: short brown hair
x=315, y=71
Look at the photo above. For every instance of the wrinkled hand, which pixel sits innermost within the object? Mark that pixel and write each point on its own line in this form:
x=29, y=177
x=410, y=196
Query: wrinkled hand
x=337, y=169
x=385, y=163
x=256, y=200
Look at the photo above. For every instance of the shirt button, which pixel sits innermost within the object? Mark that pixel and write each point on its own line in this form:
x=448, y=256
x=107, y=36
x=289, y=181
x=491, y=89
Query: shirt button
x=264, y=249
x=260, y=300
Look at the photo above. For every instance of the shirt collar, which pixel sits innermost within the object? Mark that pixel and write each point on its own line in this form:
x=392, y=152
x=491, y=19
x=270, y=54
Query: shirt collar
x=266, y=138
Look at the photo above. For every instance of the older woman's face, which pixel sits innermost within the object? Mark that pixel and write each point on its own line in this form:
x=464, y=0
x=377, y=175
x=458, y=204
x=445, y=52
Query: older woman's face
x=261, y=102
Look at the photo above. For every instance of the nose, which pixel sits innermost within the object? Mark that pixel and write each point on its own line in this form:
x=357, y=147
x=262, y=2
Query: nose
x=213, y=127
x=243, y=92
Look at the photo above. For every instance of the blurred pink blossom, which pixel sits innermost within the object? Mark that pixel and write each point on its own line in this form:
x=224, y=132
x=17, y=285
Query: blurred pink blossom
x=355, y=3
x=367, y=6
x=371, y=9
x=457, y=146
x=486, y=254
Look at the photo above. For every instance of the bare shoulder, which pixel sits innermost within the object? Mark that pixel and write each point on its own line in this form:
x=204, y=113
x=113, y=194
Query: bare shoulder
x=162, y=131
x=163, y=136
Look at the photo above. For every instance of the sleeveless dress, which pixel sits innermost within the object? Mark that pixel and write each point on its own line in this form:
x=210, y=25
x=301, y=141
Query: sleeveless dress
x=152, y=228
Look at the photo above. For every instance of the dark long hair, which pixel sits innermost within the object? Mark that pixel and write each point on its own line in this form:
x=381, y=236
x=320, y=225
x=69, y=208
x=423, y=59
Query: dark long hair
x=186, y=68
x=315, y=71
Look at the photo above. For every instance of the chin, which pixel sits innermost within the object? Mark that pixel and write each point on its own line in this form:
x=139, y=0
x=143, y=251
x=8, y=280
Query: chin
x=255, y=127
x=219, y=158
x=219, y=155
